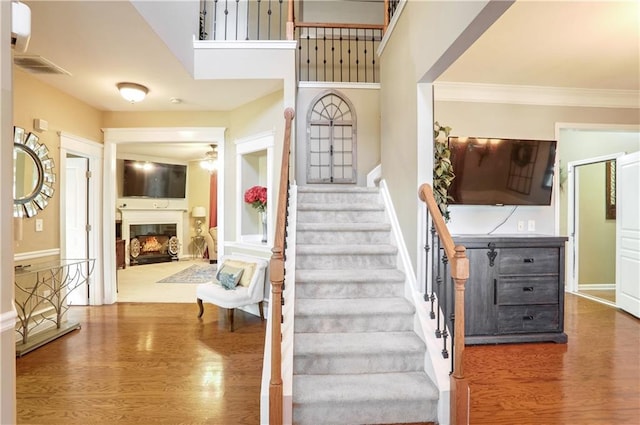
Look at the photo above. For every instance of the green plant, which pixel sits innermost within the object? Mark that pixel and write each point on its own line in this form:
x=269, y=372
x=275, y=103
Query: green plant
x=442, y=169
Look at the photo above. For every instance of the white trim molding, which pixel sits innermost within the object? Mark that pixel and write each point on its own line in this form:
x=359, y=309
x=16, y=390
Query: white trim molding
x=36, y=254
x=245, y=44
x=8, y=319
x=337, y=85
x=536, y=95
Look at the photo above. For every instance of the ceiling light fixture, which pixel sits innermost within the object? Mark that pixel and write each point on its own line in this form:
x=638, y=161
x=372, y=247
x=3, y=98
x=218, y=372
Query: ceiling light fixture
x=132, y=92
x=210, y=161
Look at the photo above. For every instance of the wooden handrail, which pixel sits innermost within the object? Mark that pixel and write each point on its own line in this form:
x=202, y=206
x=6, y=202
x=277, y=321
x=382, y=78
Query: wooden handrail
x=339, y=25
x=459, y=264
x=276, y=276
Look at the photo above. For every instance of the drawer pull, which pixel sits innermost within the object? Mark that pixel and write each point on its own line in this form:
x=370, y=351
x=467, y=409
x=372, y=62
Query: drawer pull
x=529, y=317
x=528, y=289
x=529, y=260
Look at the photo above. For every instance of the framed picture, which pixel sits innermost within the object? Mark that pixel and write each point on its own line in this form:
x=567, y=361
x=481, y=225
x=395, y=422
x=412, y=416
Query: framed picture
x=610, y=190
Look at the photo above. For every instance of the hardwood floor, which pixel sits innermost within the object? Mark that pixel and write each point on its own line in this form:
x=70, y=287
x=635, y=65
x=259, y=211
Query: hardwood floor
x=157, y=363
x=593, y=379
x=145, y=364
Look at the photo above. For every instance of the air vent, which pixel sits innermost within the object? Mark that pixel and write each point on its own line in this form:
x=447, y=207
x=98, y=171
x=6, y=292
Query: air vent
x=38, y=65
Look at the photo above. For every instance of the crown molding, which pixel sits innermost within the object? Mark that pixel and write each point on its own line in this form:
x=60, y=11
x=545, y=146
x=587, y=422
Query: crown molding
x=536, y=95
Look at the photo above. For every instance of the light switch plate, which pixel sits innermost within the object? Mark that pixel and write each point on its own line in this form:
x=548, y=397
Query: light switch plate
x=531, y=226
x=39, y=225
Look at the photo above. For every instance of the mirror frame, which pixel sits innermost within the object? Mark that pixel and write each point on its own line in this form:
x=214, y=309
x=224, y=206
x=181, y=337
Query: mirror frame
x=38, y=199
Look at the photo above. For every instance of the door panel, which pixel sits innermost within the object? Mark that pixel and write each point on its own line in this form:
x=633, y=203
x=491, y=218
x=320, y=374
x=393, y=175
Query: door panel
x=76, y=220
x=628, y=233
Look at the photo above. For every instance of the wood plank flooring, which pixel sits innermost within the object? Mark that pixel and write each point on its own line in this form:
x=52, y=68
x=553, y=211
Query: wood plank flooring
x=158, y=364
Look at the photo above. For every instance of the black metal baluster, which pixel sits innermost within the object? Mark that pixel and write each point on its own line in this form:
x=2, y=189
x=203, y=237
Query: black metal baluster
x=300, y=55
x=365, y=54
x=308, y=60
x=452, y=318
x=357, y=56
x=248, y=5
x=269, y=21
x=445, y=310
x=280, y=21
x=373, y=62
x=341, y=66
x=324, y=53
x=439, y=289
x=333, y=60
x=237, y=8
x=427, y=248
x=434, y=264
x=316, y=52
x=349, y=51
x=258, y=33
x=226, y=16
x=215, y=18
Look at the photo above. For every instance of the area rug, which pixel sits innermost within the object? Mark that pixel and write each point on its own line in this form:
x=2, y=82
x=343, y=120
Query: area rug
x=198, y=273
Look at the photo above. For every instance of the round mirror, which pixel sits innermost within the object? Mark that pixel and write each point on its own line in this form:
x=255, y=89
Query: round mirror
x=33, y=176
x=28, y=174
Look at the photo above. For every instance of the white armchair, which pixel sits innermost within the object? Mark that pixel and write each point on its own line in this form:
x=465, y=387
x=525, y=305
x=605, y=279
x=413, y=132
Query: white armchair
x=250, y=288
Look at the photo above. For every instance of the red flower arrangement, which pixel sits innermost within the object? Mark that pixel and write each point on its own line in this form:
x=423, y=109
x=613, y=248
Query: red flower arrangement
x=257, y=197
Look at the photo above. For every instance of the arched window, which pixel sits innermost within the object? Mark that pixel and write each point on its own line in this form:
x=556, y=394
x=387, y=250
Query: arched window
x=331, y=140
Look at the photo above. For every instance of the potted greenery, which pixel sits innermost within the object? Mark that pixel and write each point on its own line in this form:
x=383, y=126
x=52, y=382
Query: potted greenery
x=442, y=169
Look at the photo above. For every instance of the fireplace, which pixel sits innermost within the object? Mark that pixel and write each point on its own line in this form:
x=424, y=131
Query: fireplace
x=152, y=243
x=137, y=222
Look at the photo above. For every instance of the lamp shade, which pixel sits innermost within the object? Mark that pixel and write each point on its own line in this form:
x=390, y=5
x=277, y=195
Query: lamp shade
x=132, y=92
x=198, y=212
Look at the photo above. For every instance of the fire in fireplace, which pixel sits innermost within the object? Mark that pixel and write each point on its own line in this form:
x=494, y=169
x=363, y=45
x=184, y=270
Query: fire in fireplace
x=153, y=243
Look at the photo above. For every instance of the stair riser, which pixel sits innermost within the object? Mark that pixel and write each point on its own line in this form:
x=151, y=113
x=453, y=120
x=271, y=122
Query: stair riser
x=364, y=323
x=342, y=238
x=341, y=216
x=338, y=197
x=365, y=412
x=341, y=261
x=348, y=364
x=348, y=290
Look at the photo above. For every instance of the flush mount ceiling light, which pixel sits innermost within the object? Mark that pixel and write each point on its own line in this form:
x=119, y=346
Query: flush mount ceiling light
x=210, y=161
x=132, y=92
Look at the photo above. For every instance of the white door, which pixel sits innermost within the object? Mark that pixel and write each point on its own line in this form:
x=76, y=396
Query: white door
x=628, y=233
x=76, y=220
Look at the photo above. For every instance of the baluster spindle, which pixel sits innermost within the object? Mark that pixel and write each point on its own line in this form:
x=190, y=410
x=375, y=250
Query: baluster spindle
x=215, y=17
x=324, y=53
x=248, y=5
x=269, y=21
x=333, y=59
x=357, y=57
x=258, y=33
x=434, y=264
x=445, y=310
x=280, y=20
x=427, y=248
x=226, y=17
x=315, y=39
x=349, y=51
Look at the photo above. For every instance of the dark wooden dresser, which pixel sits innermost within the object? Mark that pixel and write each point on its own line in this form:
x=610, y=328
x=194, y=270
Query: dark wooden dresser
x=120, y=260
x=515, y=291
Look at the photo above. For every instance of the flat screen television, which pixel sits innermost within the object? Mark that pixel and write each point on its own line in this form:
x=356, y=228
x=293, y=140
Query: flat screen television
x=501, y=171
x=154, y=180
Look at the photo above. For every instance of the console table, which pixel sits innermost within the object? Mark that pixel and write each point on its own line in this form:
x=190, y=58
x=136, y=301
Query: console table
x=515, y=291
x=41, y=300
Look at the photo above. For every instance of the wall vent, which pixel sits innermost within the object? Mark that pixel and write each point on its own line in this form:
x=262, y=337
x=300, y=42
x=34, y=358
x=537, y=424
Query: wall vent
x=38, y=65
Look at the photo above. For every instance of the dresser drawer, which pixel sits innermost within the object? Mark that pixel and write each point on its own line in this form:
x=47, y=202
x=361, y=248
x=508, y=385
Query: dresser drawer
x=528, y=260
x=527, y=290
x=536, y=318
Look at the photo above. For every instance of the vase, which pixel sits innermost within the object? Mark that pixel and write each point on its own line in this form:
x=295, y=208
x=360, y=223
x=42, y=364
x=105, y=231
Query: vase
x=263, y=221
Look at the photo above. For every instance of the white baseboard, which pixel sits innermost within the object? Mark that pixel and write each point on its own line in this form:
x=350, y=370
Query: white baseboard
x=597, y=287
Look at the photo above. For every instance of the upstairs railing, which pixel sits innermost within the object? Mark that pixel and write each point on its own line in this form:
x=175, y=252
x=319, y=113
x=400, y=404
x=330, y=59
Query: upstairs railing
x=447, y=300
x=276, y=275
x=330, y=52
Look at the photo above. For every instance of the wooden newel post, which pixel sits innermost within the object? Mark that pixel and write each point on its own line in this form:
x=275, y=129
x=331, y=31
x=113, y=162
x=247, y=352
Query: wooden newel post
x=460, y=274
x=276, y=274
x=290, y=20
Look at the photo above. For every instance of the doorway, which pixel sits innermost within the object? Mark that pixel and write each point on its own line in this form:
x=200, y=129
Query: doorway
x=592, y=231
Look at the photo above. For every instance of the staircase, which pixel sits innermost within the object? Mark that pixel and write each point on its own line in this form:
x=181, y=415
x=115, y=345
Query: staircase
x=357, y=359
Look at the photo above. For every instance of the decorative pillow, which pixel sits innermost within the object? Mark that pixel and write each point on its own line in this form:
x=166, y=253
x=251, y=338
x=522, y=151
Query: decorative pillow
x=249, y=270
x=229, y=276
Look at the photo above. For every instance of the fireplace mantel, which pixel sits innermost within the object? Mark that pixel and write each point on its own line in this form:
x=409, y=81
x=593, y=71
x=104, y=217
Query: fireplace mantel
x=136, y=216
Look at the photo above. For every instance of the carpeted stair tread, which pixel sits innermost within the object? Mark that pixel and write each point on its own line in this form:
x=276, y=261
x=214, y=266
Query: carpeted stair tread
x=354, y=206
x=337, y=189
x=363, y=387
x=379, y=343
x=343, y=227
x=355, y=249
x=349, y=276
x=353, y=307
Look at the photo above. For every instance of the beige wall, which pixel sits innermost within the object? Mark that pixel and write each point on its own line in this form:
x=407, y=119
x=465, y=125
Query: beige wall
x=526, y=122
x=597, y=235
x=422, y=35
x=366, y=103
x=34, y=99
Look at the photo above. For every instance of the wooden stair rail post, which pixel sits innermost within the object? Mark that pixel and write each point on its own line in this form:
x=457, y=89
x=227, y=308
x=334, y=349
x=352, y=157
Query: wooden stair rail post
x=460, y=273
x=276, y=276
x=291, y=25
x=386, y=15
